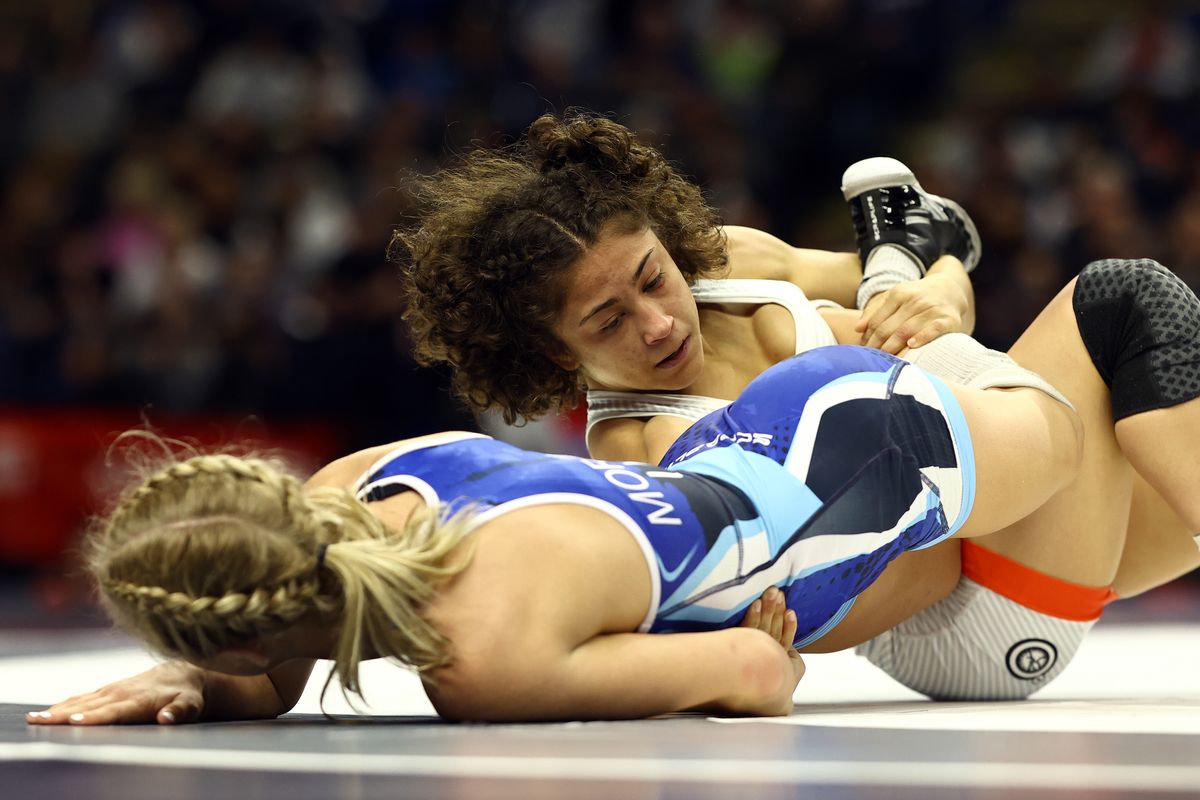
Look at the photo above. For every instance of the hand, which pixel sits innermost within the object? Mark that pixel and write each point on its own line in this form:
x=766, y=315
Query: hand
x=912, y=314
x=168, y=694
x=771, y=615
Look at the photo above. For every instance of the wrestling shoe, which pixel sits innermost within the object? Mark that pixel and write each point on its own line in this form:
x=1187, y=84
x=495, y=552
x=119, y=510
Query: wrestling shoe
x=889, y=207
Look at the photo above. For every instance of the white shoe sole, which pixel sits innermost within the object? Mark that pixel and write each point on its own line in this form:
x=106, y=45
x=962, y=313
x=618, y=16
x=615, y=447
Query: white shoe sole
x=876, y=173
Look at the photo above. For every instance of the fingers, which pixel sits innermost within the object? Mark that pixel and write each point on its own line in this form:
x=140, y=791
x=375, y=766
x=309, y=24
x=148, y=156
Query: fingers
x=109, y=706
x=182, y=709
x=753, y=618
x=870, y=323
x=868, y=311
x=930, y=332
x=910, y=327
x=60, y=713
x=788, y=636
x=770, y=615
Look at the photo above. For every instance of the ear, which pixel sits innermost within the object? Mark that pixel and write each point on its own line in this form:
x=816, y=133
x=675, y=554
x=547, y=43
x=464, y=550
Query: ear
x=562, y=358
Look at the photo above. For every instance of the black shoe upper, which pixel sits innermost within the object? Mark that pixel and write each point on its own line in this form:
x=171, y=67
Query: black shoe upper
x=904, y=216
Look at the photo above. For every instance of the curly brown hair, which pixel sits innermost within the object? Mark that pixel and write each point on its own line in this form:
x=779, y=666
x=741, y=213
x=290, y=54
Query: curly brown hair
x=485, y=266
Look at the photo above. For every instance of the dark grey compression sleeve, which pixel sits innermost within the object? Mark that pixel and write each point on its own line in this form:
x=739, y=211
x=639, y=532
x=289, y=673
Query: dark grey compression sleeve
x=1141, y=326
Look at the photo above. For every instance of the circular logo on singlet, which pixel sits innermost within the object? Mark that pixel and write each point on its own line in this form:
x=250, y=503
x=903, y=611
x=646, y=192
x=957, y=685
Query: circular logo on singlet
x=1031, y=658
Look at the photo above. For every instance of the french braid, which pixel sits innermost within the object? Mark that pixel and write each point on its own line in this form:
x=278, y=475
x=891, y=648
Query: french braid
x=215, y=550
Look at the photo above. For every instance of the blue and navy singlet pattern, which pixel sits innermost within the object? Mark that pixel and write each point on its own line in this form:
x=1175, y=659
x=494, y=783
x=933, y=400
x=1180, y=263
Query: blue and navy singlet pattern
x=827, y=467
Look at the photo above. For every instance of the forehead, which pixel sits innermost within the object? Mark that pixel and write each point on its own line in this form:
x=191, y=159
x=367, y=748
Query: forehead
x=610, y=262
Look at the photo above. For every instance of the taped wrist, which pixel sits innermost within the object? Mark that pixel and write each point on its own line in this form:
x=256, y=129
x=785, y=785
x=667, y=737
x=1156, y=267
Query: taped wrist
x=957, y=358
x=887, y=265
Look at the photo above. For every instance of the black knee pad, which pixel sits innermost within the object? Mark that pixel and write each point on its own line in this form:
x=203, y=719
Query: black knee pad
x=1141, y=325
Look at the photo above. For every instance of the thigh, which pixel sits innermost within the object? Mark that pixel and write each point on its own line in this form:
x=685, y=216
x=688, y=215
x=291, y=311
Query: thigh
x=1162, y=446
x=1077, y=535
x=1026, y=448
x=909, y=585
x=1158, y=547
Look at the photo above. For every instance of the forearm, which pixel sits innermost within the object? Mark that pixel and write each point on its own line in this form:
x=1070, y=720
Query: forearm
x=951, y=269
x=733, y=671
x=627, y=676
x=229, y=697
x=255, y=696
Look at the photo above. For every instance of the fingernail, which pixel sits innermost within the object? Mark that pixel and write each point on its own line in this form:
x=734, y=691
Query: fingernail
x=43, y=714
x=76, y=718
x=167, y=715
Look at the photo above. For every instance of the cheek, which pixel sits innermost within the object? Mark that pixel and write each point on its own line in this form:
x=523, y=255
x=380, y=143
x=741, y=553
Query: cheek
x=621, y=354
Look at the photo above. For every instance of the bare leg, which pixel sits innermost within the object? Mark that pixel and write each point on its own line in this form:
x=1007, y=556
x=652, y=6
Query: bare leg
x=1158, y=547
x=911, y=583
x=1097, y=530
x=1079, y=534
x=1027, y=447
x=1168, y=461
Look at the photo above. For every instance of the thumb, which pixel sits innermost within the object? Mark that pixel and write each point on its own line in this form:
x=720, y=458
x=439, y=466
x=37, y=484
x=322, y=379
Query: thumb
x=183, y=708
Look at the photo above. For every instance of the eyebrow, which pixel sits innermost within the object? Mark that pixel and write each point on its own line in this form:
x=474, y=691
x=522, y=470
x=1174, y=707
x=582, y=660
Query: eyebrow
x=636, y=275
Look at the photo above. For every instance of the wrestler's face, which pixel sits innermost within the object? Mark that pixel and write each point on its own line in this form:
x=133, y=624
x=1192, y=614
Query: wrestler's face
x=628, y=319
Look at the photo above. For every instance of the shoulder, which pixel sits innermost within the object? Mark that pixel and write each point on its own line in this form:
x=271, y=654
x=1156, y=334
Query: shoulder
x=346, y=470
x=529, y=594
x=757, y=254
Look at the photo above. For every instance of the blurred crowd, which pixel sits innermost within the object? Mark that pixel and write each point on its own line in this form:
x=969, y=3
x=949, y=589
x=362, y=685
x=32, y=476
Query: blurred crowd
x=196, y=195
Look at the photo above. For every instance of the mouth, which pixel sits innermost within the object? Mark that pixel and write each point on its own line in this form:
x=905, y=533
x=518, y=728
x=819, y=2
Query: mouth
x=679, y=355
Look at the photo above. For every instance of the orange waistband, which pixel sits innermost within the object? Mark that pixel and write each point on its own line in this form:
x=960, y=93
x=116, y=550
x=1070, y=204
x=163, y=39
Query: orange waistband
x=1032, y=589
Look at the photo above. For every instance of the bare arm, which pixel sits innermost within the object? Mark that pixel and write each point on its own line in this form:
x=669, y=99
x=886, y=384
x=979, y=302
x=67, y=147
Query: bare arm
x=819, y=273
x=256, y=696
x=907, y=315
x=624, y=676
x=176, y=692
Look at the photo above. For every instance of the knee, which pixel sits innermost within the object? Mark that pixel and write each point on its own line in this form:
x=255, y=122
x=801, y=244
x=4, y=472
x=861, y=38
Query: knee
x=1141, y=326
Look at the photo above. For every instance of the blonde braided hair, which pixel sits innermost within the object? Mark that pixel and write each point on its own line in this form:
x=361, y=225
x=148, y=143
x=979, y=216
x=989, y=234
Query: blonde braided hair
x=215, y=550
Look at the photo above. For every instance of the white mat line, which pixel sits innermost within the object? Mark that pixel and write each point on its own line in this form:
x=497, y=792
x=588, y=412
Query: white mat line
x=1077, y=776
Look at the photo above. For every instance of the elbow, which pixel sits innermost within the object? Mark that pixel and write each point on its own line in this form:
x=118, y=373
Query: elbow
x=453, y=693
x=766, y=671
x=480, y=690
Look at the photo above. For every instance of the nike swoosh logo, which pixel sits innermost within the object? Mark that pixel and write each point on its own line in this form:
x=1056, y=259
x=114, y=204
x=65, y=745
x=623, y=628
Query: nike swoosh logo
x=671, y=574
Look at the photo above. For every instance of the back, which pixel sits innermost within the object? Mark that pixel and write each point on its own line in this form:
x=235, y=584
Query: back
x=669, y=514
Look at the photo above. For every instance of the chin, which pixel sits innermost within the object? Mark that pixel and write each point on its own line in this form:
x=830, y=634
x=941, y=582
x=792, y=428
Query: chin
x=690, y=373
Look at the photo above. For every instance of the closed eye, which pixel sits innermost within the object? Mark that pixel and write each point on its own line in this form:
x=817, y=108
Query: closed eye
x=612, y=324
x=655, y=283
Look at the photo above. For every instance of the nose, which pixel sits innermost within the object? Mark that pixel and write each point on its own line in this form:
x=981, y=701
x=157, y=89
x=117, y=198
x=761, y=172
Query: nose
x=657, y=325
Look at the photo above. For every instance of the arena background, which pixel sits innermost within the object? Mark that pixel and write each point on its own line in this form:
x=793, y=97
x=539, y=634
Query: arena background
x=196, y=196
